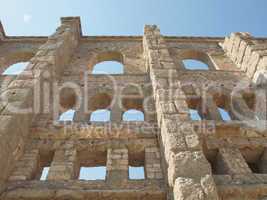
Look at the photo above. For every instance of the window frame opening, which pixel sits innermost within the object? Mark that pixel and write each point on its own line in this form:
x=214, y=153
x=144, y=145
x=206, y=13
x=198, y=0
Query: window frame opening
x=135, y=116
x=137, y=173
x=136, y=164
x=110, y=56
x=196, y=55
x=15, y=69
x=96, y=114
x=67, y=116
x=195, y=64
x=92, y=162
x=102, y=170
x=44, y=165
x=44, y=173
x=112, y=67
x=225, y=115
x=194, y=115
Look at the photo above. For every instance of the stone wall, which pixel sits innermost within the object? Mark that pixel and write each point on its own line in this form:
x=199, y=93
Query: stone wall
x=249, y=54
x=189, y=174
x=15, y=127
x=183, y=159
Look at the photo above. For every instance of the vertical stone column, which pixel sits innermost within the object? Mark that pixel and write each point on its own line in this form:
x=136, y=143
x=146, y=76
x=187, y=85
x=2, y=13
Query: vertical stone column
x=79, y=116
x=116, y=112
x=153, y=163
x=25, y=91
x=189, y=173
x=263, y=162
x=64, y=165
x=26, y=168
x=231, y=161
x=2, y=32
x=261, y=104
x=212, y=109
x=117, y=166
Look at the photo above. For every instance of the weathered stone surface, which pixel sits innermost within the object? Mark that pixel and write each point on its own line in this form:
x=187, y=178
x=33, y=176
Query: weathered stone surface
x=188, y=164
x=186, y=188
x=182, y=158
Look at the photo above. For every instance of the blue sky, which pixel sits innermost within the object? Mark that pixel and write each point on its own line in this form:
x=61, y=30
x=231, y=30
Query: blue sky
x=127, y=17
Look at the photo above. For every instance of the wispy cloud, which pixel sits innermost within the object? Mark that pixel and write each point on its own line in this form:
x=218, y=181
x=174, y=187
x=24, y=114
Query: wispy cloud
x=27, y=18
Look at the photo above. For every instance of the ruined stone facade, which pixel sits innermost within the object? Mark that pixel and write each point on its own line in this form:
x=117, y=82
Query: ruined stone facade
x=183, y=159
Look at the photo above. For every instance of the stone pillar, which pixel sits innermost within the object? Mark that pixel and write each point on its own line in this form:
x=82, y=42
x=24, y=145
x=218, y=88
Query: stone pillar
x=231, y=161
x=261, y=104
x=26, y=168
x=51, y=57
x=181, y=144
x=116, y=113
x=263, y=162
x=80, y=116
x=153, y=163
x=2, y=32
x=212, y=110
x=117, y=166
x=64, y=165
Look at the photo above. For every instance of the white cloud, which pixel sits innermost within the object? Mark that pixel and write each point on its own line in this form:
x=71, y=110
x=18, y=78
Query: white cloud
x=27, y=18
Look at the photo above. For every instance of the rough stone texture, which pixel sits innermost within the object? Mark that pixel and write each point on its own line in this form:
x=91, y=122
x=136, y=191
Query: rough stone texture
x=183, y=159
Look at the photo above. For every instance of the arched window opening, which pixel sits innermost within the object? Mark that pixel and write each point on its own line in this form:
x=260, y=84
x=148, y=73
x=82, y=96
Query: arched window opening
x=109, y=63
x=16, y=68
x=133, y=115
x=192, y=64
x=194, y=115
x=101, y=115
x=224, y=114
x=108, y=67
x=67, y=116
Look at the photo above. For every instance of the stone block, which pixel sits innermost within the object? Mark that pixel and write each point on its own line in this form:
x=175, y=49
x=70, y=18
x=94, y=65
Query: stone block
x=187, y=189
x=188, y=164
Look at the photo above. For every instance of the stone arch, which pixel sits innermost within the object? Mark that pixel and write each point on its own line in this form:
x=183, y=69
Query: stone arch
x=100, y=100
x=196, y=55
x=15, y=57
x=132, y=98
x=16, y=68
x=108, y=56
x=113, y=58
